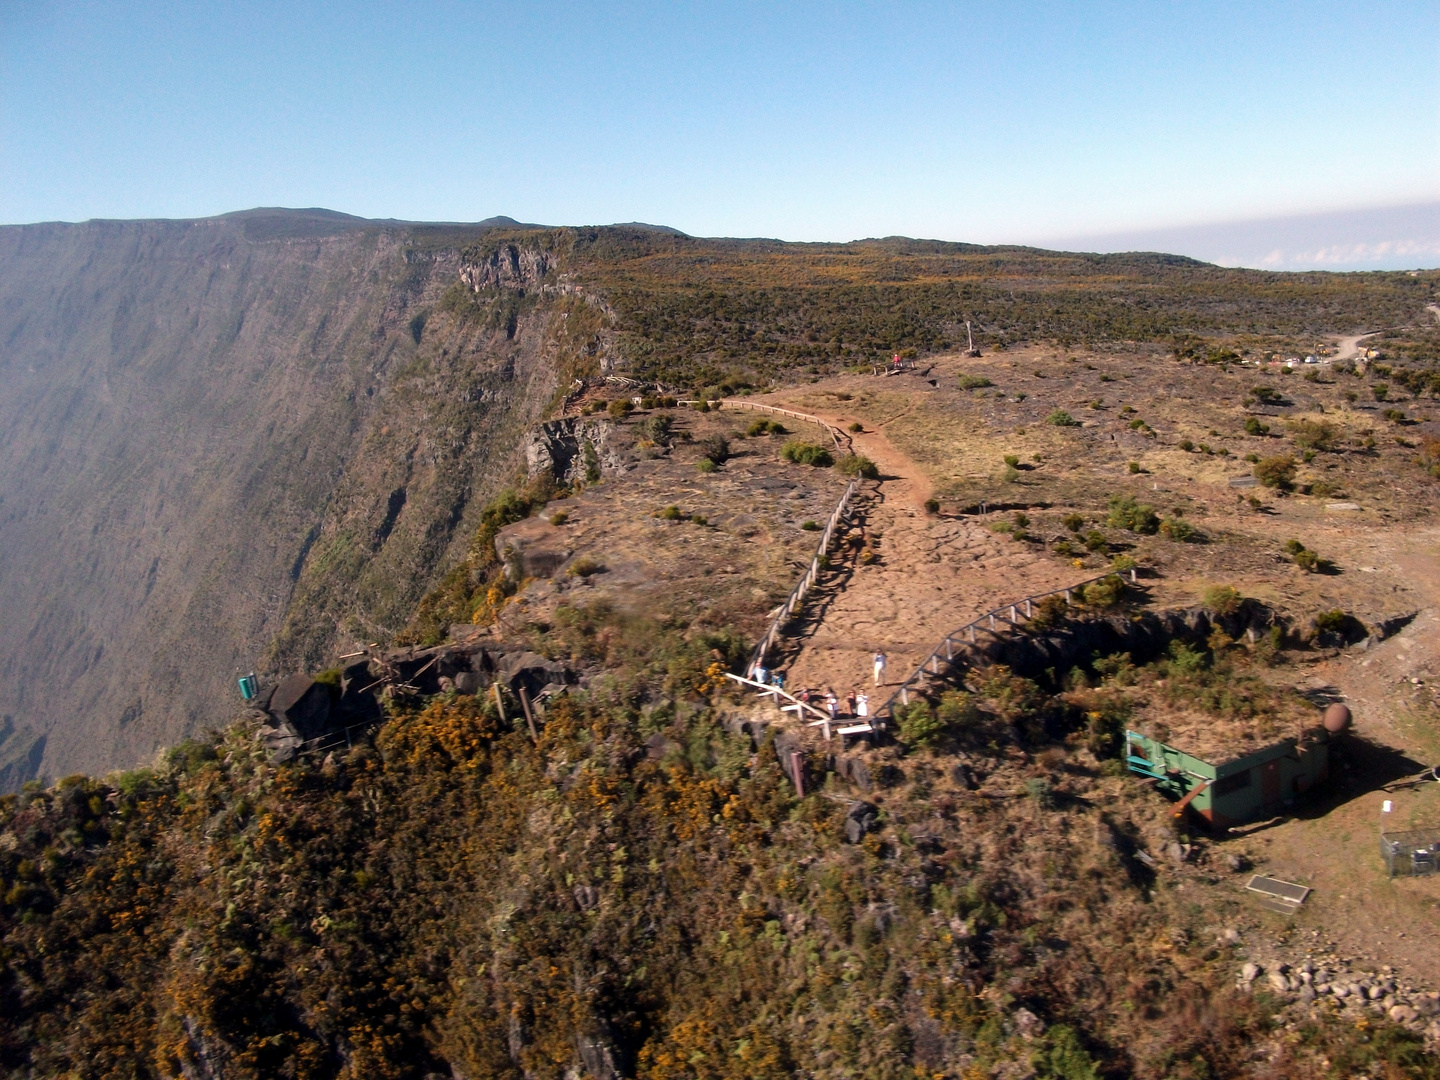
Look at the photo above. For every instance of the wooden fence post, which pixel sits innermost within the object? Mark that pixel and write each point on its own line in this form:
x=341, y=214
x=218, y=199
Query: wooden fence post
x=529, y=718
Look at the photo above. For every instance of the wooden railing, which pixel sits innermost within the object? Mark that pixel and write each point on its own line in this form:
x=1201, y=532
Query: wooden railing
x=806, y=583
x=839, y=438
x=1009, y=614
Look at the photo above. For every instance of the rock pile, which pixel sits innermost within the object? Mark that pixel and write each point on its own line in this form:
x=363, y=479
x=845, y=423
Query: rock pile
x=1331, y=984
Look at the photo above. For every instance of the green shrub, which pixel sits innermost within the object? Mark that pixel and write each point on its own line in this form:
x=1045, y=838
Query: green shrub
x=1186, y=445
x=858, y=465
x=1276, y=472
x=670, y=513
x=1012, y=460
x=1137, y=517
x=1184, y=660
x=1041, y=791
x=1105, y=593
x=1073, y=522
x=919, y=726
x=1223, y=600
x=1061, y=418
x=656, y=428
x=585, y=567
x=974, y=382
x=705, y=465
x=810, y=526
x=932, y=506
x=560, y=517
x=806, y=453
x=1313, y=434
x=1381, y=391
x=1253, y=426
x=856, y=427
x=715, y=449
x=1176, y=528
x=1095, y=540
x=1395, y=416
x=1134, y=467
x=620, y=408
x=1334, y=621
x=764, y=427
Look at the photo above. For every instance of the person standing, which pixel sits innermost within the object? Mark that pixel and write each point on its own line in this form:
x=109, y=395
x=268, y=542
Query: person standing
x=832, y=704
x=862, y=705
x=850, y=702
x=761, y=674
x=879, y=666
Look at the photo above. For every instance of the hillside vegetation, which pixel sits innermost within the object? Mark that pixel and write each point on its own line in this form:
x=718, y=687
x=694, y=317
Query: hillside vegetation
x=640, y=894
x=693, y=311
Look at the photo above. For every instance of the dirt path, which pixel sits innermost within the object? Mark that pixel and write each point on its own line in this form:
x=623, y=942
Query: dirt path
x=1349, y=347
x=932, y=575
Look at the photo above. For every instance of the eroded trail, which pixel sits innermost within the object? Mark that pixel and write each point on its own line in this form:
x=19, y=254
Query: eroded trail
x=932, y=575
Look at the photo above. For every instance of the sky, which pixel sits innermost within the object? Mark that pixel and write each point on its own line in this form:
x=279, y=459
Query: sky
x=995, y=122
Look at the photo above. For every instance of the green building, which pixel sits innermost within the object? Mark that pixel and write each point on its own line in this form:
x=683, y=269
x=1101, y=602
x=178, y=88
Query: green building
x=1231, y=790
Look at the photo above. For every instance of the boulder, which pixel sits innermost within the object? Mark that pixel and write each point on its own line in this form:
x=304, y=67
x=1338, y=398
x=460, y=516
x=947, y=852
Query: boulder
x=302, y=703
x=532, y=672
x=537, y=546
x=861, y=818
x=1250, y=972
x=281, y=742
x=1028, y=1024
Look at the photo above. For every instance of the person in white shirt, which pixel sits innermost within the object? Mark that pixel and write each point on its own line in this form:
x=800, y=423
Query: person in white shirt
x=879, y=667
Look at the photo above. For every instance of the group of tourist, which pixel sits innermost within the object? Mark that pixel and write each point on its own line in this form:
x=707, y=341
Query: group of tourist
x=856, y=702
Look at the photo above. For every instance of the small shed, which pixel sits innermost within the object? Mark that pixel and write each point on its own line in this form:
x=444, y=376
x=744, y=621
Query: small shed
x=1232, y=786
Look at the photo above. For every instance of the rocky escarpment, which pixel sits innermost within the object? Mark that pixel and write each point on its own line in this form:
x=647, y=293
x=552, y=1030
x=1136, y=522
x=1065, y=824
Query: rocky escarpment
x=244, y=442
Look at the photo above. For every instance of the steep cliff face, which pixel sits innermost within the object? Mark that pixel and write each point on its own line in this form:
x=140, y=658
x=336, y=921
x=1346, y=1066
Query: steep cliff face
x=235, y=442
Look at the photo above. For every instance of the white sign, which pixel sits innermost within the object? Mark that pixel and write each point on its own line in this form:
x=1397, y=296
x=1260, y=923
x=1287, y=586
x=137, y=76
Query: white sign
x=1386, y=808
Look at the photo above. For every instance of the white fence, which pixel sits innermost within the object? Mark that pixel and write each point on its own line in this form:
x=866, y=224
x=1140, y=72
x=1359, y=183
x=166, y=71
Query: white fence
x=805, y=584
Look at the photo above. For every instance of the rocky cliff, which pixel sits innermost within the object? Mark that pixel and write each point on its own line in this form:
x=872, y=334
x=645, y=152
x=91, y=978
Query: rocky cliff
x=239, y=442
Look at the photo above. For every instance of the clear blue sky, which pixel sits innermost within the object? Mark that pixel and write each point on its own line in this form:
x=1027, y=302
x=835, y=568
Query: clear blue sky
x=965, y=121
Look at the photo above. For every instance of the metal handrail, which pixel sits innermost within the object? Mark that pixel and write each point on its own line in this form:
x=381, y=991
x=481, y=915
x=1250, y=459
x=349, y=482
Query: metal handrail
x=1006, y=613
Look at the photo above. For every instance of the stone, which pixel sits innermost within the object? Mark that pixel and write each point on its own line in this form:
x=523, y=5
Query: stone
x=1028, y=1024
x=1307, y=993
x=302, y=703
x=860, y=819
x=1250, y=971
x=466, y=682
x=1279, y=982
